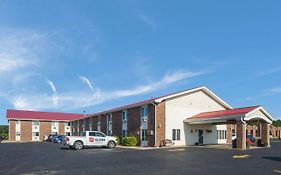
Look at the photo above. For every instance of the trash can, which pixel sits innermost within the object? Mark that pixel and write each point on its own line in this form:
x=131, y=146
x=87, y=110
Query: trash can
x=259, y=144
x=234, y=143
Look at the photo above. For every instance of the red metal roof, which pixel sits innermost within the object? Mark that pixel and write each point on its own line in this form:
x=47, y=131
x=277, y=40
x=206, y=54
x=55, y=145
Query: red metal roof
x=224, y=113
x=36, y=115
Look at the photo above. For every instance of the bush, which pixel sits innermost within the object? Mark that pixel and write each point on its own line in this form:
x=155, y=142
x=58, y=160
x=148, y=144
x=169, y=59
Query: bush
x=130, y=141
x=118, y=139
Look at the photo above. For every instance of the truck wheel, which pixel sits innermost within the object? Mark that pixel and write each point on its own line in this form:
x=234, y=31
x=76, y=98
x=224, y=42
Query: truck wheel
x=111, y=144
x=78, y=145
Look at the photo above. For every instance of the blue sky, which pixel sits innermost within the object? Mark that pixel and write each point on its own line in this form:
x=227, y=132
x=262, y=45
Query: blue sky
x=72, y=56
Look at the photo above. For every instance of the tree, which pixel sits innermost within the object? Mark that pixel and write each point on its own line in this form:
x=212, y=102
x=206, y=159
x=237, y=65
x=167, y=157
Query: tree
x=277, y=123
x=4, y=130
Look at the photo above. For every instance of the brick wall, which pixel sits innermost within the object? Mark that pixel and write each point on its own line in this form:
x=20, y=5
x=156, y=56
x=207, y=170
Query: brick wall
x=151, y=125
x=87, y=124
x=61, y=128
x=117, y=123
x=265, y=138
x=229, y=128
x=95, y=123
x=45, y=128
x=160, y=122
x=26, y=130
x=134, y=122
x=12, y=130
x=103, y=124
x=241, y=135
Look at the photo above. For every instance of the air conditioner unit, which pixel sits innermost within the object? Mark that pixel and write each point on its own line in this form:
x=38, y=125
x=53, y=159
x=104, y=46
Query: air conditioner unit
x=110, y=122
x=144, y=119
x=35, y=127
x=124, y=121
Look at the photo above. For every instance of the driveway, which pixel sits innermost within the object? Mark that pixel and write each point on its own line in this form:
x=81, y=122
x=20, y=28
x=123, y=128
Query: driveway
x=48, y=158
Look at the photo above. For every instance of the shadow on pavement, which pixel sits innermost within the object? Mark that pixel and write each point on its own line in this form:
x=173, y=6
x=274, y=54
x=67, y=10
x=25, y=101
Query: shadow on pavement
x=273, y=158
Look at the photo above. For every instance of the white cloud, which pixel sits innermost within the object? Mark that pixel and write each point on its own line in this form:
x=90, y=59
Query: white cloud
x=276, y=90
x=147, y=20
x=55, y=98
x=52, y=85
x=76, y=100
x=87, y=81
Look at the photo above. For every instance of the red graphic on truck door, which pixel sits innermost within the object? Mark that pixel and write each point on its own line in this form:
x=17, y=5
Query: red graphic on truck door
x=91, y=139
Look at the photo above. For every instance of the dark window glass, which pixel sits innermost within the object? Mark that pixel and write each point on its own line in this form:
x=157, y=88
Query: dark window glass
x=178, y=134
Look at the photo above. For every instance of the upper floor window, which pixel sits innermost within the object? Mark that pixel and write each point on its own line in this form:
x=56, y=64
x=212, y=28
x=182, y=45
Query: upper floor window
x=124, y=115
x=66, y=123
x=144, y=111
x=109, y=117
x=35, y=123
x=54, y=123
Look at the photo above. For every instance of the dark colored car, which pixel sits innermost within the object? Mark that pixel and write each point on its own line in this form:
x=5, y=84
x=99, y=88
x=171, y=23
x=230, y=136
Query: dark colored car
x=59, y=139
x=251, y=140
x=50, y=137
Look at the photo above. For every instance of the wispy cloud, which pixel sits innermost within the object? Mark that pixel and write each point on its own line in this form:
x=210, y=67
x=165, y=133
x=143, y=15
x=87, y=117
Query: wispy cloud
x=76, y=100
x=87, y=81
x=55, y=99
x=147, y=20
x=275, y=90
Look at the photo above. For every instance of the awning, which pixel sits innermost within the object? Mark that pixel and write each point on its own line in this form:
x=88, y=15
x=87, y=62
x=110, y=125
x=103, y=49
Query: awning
x=224, y=116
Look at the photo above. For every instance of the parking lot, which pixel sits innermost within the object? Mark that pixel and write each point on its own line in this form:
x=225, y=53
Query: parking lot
x=48, y=158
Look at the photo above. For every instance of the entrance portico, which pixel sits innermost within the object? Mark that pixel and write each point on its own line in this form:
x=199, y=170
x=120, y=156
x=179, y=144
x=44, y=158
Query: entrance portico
x=254, y=115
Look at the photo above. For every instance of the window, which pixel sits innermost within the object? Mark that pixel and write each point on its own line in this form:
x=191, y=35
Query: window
x=66, y=123
x=124, y=115
x=35, y=123
x=144, y=134
x=92, y=134
x=83, y=133
x=124, y=133
x=221, y=134
x=35, y=134
x=144, y=111
x=17, y=122
x=99, y=134
x=109, y=124
x=176, y=134
x=17, y=133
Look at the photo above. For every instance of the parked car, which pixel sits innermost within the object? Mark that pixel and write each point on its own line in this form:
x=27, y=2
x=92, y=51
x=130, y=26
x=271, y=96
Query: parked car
x=59, y=139
x=90, y=139
x=50, y=137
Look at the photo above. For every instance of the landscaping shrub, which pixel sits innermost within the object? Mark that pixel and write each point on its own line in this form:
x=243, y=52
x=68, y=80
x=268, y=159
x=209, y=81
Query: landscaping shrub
x=130, y=141
x=118, y=139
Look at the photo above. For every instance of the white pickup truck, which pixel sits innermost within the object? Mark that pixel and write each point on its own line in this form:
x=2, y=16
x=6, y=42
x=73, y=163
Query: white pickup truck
x=90, y=139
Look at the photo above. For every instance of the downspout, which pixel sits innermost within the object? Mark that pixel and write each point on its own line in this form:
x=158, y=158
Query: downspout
x=155, y=123
x=242, y=120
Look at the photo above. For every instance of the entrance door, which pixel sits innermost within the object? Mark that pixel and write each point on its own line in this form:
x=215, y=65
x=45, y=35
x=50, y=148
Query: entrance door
x=200, y=136
x=18, y=129
x=144, y=141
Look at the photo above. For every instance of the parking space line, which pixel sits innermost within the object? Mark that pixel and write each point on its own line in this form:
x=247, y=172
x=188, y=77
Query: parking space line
x=174, y=150
x=241, y=156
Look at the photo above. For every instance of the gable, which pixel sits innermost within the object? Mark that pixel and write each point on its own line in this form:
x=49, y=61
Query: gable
x=198, y=100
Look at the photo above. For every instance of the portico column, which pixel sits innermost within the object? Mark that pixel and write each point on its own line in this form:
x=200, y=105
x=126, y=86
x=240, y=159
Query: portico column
x=241, y=135
x=265, y=138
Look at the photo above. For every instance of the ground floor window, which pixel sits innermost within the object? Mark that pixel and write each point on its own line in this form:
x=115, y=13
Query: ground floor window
x=221, y=134
x=144, y=134
x=124, y=133
x=35, y=134
x=176, y=135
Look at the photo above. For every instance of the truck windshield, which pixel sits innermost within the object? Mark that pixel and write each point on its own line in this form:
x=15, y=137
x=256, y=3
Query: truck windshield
x=83, y=133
